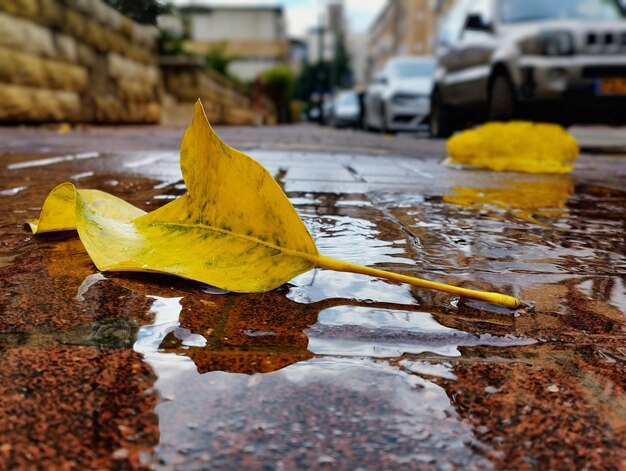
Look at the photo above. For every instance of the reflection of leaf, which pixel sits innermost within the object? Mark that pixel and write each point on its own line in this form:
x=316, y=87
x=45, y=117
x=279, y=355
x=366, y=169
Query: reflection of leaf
x=256, y=333
x=528, y=195
x=234, y=229
x=516, y=146
x=521, y=199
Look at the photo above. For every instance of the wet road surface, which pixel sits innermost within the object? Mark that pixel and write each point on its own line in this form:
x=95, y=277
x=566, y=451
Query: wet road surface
x=333, y=370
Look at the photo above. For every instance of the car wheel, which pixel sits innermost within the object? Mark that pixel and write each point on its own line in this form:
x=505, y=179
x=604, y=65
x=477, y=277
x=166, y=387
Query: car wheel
x=501, y=99
x=441, y=124
x=367, y=127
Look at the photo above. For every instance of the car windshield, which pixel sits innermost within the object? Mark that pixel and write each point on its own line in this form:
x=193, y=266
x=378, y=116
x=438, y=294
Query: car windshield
x=515, y=11
x=347, y=99
x=411, y=69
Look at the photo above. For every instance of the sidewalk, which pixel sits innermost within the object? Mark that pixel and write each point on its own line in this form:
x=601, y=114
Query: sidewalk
x=600, y=139
x=592, y=139
x=333, y=370
x=285, y=137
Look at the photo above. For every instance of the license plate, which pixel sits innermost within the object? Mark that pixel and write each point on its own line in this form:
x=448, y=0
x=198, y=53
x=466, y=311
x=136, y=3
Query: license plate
x=611, y=86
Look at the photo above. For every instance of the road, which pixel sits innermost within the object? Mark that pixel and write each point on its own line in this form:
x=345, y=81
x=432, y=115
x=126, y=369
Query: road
x=333, y=370
x=593, y=139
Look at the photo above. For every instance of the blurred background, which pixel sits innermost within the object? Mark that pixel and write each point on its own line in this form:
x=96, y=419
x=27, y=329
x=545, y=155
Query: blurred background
x=420, y=66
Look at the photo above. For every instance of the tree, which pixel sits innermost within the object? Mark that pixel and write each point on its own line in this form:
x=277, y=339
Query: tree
x=218, y=58
x=278, y=84
x=323, y=78
x=141, y=11
x=172, y=44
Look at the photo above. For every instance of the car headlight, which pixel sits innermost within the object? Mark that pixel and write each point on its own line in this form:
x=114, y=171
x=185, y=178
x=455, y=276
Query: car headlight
x=557, y=43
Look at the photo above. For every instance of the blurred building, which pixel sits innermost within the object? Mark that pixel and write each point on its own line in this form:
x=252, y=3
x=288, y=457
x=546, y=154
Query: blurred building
x=324, y=40
x=255, y=35
x=297, y=54
x=404, y=27
x=355, y=44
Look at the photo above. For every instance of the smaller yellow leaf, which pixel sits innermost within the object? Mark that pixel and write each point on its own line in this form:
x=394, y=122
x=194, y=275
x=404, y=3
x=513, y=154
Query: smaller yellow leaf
x=518, y=146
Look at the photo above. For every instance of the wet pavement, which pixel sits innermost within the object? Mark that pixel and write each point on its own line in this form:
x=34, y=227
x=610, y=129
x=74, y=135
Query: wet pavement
x=333, y=370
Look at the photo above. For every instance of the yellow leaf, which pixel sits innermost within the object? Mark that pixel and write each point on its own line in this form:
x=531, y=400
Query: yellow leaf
x=64, y=128
x=234, y=229
x=59, y=210
x=517, y=146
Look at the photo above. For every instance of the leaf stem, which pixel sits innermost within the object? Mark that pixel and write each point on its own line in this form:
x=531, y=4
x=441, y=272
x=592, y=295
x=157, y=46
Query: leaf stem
x=339, y=265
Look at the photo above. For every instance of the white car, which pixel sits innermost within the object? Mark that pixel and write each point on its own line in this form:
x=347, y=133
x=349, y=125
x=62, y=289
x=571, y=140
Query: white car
x=346, y=110
x=399, y=97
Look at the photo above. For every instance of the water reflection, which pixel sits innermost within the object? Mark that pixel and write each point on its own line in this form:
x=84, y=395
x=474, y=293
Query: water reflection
x=371, y=332
x=526, y=200
x=560, y=235
x=352, y=235
x=166, y=313
x=316, y=413
x=263, y=333
x=313, y=406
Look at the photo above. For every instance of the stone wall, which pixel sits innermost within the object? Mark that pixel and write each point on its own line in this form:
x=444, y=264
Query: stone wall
x=185, y=80
x=76, y=61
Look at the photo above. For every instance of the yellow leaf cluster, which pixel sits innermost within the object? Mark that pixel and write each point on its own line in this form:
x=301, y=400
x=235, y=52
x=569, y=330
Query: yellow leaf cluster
x=518, y=146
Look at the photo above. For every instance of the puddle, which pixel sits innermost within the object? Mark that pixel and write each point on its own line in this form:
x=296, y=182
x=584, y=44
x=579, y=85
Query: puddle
x=321, y=412
x=13, y=191
x=333, y=370
x=52, y=160
x=425, y=368
x=87, y=283
x=166, y=313
x=569, y=235
x=381, y=333
x=259, y=419
x=525, y=200
x=80, y=176
x=356, y=240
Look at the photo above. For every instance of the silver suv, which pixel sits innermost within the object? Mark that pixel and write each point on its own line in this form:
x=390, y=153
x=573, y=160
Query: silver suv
x=552, y=59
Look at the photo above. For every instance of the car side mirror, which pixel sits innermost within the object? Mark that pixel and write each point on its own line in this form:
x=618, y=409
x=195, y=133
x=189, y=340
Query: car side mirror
x=476, y=23
x=383, y=80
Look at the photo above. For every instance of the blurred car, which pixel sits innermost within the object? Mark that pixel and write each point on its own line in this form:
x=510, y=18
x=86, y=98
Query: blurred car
x=555, y=59
x=327, y=111
x=399, y=97
x=346, y=110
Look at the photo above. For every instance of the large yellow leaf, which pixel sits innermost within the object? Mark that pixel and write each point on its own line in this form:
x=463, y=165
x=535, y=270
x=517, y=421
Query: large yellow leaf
x=234, y=229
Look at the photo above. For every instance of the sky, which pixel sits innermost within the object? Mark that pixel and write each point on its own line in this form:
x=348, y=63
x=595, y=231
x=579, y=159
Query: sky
x=303, y=14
